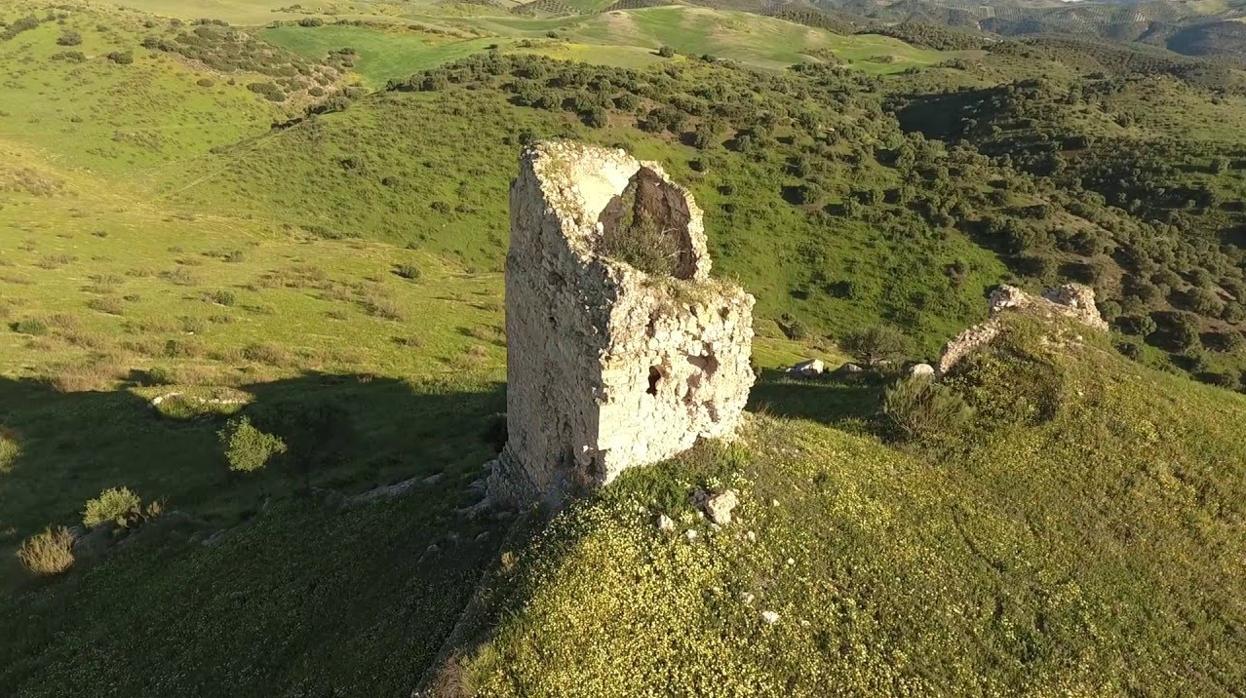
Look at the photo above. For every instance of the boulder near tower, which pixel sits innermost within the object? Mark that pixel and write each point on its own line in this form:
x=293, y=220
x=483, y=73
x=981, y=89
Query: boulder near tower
x=621, y=350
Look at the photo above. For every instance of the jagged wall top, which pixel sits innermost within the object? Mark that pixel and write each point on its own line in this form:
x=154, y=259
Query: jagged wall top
x=581, y=180
x=1073, y=301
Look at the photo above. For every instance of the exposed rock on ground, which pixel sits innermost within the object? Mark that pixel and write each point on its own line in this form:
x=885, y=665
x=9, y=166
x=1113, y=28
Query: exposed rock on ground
x=921, y=370
x=718, y=507
x=1072, y=301
x=610, y=367
x=810, y=368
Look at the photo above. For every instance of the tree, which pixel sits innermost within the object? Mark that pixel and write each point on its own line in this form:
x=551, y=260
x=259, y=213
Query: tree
x=876, y=346
x=1184, y=331
x=595, y=117
x=1138, y=325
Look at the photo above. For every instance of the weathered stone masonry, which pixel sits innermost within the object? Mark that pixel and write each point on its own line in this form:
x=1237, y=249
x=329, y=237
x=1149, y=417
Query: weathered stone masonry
x=1073, y=301
x=608, y=367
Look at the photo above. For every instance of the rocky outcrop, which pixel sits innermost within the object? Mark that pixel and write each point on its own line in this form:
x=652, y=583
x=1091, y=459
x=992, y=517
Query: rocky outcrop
x=610, y=367
x=1072, y=301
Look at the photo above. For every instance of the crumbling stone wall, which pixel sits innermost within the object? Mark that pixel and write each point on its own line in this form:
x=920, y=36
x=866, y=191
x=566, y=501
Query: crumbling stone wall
x=1073, y=301
x=610, y=367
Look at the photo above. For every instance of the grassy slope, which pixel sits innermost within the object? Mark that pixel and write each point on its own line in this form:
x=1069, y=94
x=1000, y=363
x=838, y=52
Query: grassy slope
x=1091, y=553
x=382, y=54
x=116, y=118
x=297, y=176
x=748, y=38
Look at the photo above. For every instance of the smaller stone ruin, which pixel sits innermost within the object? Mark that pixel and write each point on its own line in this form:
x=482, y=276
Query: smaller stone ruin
x=1073, y=301
x=621, y=351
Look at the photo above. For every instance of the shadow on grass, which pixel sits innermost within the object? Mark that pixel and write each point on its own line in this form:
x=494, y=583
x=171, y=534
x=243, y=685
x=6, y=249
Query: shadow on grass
x=298, y=595
x=824, y=400
x=275, y=588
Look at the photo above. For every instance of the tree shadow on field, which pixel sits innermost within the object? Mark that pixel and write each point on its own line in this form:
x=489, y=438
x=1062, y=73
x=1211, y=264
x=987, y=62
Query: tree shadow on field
x=268, y=583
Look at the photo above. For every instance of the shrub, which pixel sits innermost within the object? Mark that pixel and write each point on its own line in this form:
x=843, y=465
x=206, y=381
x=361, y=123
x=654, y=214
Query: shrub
x=876, y=346
x=1184, y=331
x=269, y=90
x=921, y=408
x=381, y=307
x=269, y=354
x=1130, y=349
x=640, y=238
x=117, y=504
x=248, y=449
x=666, y=52
x=794, y=330
x=121, y=57
x=30, y=326
x=17, y=27
x=69, y=38
x=595, y=118
x=49, y=552
x=106, y=304
x=222, y=297
x=408, y=271
x=1226, y=341
x=1139, y=325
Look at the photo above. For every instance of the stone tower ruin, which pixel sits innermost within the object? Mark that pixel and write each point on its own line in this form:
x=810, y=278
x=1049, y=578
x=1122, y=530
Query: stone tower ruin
x=608, y=366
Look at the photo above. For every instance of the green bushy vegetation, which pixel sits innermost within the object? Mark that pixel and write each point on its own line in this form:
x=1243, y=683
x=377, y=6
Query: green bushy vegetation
x=248, y=449
x=1151, y=203
x=117, y=505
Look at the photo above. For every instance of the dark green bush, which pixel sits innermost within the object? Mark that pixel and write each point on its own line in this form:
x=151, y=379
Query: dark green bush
x=17, y=27
x=920, y=408
x=31, y=326
x=408, y=271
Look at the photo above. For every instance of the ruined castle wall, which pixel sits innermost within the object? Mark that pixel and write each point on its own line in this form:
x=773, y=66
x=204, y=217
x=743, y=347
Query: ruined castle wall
x=608, y=367
x=1073, y=301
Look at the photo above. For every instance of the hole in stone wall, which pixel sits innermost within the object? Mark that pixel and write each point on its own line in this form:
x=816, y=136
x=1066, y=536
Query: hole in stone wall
x=655, y=376
x=706, y=367
x=646, y=226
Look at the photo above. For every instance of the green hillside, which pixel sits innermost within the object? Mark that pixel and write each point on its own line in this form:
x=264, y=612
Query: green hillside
x=1053, y=545
x=251, y=270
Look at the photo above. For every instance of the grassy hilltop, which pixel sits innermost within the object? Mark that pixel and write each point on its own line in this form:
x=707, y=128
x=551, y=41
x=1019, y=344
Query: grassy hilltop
x=296, y=214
